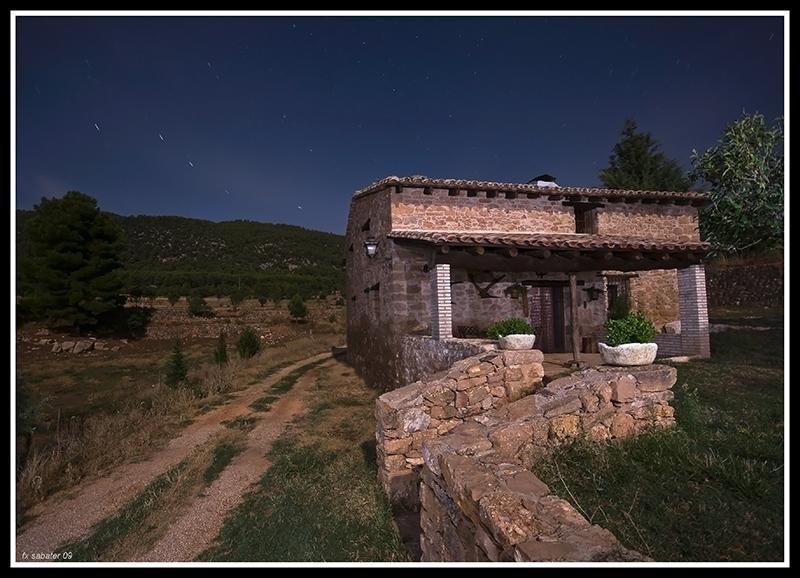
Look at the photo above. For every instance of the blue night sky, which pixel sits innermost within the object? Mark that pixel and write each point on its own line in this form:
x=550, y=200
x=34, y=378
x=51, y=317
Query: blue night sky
x=280, y=119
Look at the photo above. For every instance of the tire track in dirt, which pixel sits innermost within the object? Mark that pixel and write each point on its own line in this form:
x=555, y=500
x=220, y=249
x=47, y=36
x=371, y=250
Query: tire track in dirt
x=69, y=516
x=199, y=523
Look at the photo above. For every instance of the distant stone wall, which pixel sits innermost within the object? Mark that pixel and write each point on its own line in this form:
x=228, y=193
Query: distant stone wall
x=753, y=285
x=460, y=445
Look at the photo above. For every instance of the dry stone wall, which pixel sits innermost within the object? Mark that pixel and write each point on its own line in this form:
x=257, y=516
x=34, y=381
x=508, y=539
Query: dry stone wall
x=753, y=285
x=460, y=445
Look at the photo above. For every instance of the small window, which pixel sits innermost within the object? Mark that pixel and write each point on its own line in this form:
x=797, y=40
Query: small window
x=491, y=194
x=585, y=220
x=472, y=193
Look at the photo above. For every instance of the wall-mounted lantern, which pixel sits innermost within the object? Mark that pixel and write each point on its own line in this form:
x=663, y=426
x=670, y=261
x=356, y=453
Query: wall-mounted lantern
x=371, y=246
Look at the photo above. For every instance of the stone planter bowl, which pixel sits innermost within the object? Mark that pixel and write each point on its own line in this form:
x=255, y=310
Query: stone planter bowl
x=628, y=353
x=516, y=341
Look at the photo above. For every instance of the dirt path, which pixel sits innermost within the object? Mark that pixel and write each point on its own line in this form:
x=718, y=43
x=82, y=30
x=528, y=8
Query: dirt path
x=199, y=523
x=69, y=516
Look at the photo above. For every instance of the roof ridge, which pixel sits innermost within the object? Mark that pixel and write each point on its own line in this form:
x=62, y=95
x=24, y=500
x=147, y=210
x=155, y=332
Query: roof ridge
x=422, y=180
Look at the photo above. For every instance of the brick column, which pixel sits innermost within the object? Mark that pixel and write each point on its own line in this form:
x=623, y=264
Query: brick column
x=441, y=313
x=694, y=311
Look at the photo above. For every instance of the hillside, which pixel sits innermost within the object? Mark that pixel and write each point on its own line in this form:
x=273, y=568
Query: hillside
x=177, y=254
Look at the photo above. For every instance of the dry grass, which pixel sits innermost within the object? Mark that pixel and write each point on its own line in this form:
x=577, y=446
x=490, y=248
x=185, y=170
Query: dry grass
x=73, y=448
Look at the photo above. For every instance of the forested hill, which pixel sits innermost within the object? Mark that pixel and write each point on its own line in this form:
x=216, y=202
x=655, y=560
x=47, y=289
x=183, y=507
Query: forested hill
x=169, y=254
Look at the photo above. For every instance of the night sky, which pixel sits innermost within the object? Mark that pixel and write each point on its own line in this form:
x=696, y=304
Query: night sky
x=280, y=119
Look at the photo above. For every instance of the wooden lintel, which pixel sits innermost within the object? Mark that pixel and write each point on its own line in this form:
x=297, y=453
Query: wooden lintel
x=538, y=253
x=601, y=255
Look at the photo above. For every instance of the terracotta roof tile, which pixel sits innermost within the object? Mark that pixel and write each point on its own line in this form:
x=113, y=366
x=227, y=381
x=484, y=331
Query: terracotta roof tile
x=551, y=241
x=422, y=181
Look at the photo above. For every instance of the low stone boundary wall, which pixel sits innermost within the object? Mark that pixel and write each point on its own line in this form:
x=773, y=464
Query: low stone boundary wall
x=461, y=445
x=422, y=356
x=408, y=416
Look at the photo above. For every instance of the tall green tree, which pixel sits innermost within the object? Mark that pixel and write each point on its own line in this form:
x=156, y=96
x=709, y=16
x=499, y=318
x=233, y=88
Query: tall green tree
x=744, y=174
x=71, y=272
x=637, y=163
x=221, y=350
x=297, y=308
x=176, y=367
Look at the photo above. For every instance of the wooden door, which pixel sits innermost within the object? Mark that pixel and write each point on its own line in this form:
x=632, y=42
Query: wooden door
x=547, y=317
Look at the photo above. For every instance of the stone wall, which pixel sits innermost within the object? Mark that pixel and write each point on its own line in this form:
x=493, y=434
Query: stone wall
x=423, y=356
x=412, y=209
x=475, y=509
x=650, y=221
x=426, y=409
x=655, y=293
x=461, y=444
x=748, y=285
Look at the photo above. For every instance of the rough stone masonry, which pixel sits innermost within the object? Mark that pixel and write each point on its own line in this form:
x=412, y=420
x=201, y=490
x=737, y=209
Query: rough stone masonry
x=460, y=445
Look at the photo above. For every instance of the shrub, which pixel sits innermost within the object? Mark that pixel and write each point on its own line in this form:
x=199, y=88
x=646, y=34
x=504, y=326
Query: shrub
x=510, y=326
x=249, y=343
x=633, y=328
x=173, y=296
x=199, y=308
x=221, y=351
x=297, y=309
x=176, y=367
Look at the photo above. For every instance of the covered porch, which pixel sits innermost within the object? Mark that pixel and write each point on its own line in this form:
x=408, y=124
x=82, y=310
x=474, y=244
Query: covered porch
x=560, y=283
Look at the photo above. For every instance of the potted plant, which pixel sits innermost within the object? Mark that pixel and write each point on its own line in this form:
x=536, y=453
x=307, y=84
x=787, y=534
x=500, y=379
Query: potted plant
x=629, y=341
x=512, y=333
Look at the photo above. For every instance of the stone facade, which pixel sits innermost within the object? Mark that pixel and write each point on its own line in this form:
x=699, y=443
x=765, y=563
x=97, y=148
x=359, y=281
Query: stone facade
x=655, y=293
x=460, y=445
x=412, y=209
x=399, y=291
x=649, y=220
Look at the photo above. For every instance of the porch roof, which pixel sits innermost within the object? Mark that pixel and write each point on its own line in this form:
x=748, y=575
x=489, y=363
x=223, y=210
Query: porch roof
x=552, y=241
x=565, y=252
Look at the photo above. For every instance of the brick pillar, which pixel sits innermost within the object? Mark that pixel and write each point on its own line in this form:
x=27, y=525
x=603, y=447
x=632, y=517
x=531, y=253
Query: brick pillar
x=694, y=311
x=442, y=313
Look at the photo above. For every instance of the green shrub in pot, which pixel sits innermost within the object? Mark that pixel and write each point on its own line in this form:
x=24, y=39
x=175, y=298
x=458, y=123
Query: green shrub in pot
x=633, y=328
x=510, y=326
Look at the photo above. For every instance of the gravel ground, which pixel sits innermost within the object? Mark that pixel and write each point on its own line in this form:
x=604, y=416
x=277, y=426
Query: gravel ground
x=199, y=523
x=69, y=516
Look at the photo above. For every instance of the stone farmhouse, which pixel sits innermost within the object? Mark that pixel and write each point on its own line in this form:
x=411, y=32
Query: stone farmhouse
x=431, y=263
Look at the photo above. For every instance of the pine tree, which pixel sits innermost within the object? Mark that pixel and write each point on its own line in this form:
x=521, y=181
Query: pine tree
x=297, y=308
x=72, y=267
x=637, y=164
x=221, y=351
x=176, y=367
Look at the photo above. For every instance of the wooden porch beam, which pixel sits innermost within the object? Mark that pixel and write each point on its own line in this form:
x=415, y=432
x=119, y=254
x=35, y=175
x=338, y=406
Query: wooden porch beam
x=573, y=306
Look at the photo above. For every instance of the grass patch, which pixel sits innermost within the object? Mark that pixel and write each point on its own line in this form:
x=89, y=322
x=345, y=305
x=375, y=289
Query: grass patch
x=112, y=530
x=283, y=385
x=320, y=500
x=242, y=422
x=131, y=532
x=712, y=488
x=223, y=454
